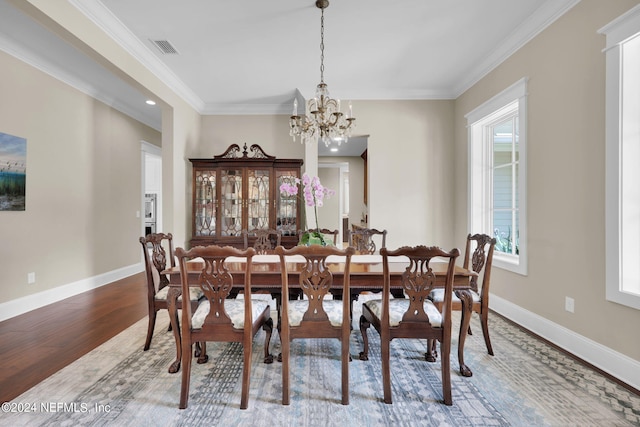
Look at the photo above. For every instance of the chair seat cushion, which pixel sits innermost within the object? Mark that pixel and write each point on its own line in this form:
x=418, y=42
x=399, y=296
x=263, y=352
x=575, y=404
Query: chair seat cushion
x=437, y=295
x=297, y=309
x=194, y=294
x=233, y=307
x=399, y=306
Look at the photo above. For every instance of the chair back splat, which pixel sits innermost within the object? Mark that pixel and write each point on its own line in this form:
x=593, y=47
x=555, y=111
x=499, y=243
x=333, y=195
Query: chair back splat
x=157, y=248
x=314, y=316
x=415, y=316
x=363, y=240
x=264, y=240
x=478, y=253
x=219, y=318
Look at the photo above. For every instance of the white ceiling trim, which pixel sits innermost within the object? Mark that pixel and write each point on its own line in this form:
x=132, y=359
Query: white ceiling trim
x=543, y=17
x=246, y=109
x=27, y=56
x=418, y=94
x=114, y=28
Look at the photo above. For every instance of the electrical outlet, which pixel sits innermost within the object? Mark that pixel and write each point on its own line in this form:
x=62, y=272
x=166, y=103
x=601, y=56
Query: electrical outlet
x=569, y=304
x=31, y=278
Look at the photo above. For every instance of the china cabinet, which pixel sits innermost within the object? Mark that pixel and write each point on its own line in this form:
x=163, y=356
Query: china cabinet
x=240, y=190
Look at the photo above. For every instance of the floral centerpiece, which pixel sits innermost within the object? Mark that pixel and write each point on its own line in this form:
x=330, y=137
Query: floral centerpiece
x=314, y=194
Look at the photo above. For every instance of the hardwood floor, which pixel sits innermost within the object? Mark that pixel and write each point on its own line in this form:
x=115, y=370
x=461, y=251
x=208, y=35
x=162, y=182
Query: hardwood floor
x=39, y=343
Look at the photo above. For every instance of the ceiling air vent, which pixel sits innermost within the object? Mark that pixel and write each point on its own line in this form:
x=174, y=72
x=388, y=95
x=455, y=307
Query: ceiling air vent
x=165, y=47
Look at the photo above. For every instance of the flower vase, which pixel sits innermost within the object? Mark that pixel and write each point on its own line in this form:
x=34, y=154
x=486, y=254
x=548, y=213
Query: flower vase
x=308, y=239
x=315, y=240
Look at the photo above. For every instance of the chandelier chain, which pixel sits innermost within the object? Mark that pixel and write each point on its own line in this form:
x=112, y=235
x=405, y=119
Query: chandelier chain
x=322, y=46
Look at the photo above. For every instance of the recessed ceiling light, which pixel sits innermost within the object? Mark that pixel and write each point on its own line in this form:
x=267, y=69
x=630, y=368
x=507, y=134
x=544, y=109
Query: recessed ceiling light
x=334, y=149
x=151, y=102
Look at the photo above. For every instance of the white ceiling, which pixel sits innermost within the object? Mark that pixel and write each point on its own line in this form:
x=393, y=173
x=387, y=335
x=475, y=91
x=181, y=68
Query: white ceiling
x=253, y=56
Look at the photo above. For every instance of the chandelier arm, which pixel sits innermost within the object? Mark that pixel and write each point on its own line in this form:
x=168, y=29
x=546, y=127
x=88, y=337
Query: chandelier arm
x=323, y=118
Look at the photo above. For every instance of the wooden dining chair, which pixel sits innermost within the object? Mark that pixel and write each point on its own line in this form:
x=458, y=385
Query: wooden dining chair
x=315, y=317
x=479, y=251
x=363, y=240
x=264, y=240
x=219, y=318
x=415, y=316
x=154, y=249
x=324, y=231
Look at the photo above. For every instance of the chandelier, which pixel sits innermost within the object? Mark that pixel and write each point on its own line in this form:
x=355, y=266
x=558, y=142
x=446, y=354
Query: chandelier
x=323, y=119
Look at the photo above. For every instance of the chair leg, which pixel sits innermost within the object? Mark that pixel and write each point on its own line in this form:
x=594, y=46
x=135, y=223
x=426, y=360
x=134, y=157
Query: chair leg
x=385, y=345
x=345, y=358
x=354, y=298
x=186, y=375
x=432, y=350
x=203, y=357
x=246, y=376
x=279, y=329
x=152, y=325
x=445, y=362
x=285, y=370
x=364, y=325
x=484, y=320
x=268, y=328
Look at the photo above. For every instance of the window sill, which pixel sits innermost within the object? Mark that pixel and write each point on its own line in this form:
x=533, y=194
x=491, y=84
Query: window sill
x=511, y=263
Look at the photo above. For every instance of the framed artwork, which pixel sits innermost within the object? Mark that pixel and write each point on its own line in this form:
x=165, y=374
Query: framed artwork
x=13, y=172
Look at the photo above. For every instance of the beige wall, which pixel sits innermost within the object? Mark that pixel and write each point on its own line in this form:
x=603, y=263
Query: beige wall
x=411, y=169
x=88, y=171
x=410, y=158
x=84, y=183
x=180, y=121
x=270, y=132
x=566, y=176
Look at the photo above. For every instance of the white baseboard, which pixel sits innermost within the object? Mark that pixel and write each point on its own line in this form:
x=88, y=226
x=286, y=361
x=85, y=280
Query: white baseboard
x=615, y=364
x=27, y=303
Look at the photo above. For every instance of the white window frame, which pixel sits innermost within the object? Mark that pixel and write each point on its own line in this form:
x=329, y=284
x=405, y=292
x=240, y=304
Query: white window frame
x=480, y=177
x=619, y=288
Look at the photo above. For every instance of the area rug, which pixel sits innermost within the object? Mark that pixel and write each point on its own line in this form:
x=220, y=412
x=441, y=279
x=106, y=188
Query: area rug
x=526, y=383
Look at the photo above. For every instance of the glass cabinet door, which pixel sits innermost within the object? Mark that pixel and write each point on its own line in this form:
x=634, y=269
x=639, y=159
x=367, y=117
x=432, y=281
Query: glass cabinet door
x=231, y=199
x=287, y=206
x=258, y=199
x=206, y=203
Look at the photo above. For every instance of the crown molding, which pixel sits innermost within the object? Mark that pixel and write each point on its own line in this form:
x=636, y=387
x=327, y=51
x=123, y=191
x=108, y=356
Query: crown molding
x=542, y=18
x=247, y=109
x=102, y=17
x=28, y=56
x=397, y=94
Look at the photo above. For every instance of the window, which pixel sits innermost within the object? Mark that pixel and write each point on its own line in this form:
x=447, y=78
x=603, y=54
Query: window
x=622, y=159
x=497, y=175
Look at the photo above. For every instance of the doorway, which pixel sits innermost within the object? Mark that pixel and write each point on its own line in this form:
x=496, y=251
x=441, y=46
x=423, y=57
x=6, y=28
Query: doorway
x=151, y=188
x=336, y=177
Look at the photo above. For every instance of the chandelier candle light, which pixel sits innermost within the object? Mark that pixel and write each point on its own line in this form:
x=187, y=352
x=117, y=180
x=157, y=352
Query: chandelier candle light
x=314, y=193
x=323, y=119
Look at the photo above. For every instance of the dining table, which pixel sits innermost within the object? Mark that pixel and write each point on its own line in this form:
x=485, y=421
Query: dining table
x=366, y=275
